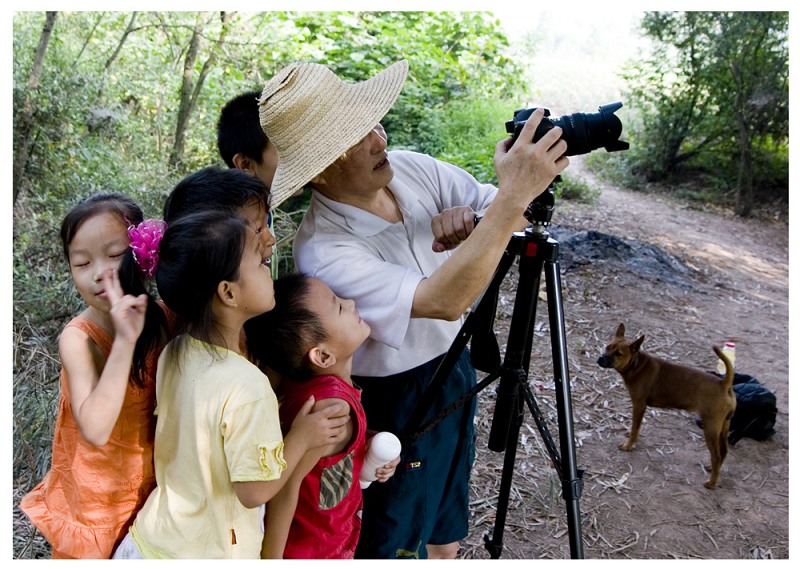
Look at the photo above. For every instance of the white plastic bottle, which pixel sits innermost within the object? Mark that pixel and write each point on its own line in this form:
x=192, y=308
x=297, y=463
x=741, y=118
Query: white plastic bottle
x=384, y=447
x=729, y=349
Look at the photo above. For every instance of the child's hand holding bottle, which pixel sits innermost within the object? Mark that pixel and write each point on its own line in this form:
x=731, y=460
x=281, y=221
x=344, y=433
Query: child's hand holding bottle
x=382, y=458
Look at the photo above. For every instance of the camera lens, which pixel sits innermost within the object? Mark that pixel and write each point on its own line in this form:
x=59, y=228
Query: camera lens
x=583, y=132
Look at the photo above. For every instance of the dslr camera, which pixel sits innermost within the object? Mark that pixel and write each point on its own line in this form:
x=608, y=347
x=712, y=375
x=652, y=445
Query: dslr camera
x=583, y=132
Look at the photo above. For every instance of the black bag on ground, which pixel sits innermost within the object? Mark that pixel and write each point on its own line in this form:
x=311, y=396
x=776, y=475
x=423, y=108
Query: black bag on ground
x=756, y=410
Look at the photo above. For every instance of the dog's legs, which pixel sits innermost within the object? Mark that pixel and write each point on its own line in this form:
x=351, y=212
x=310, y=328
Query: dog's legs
x=638, y=415
x=723, y=440
x=716, y=441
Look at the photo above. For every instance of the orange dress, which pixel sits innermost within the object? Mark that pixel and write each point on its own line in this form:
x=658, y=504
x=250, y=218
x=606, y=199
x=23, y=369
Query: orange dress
x=88, y=499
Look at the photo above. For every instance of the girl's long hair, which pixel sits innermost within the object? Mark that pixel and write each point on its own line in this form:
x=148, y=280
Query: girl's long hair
x=156, y=326
x=199, y=251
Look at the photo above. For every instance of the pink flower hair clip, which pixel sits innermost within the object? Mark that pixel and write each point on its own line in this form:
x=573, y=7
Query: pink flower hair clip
x=145, y=239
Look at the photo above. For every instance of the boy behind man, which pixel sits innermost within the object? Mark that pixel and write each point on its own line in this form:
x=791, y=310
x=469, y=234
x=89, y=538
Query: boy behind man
x=241, y=142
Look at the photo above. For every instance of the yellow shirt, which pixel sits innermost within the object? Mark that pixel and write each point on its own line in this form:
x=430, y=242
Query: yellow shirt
x=217, y=424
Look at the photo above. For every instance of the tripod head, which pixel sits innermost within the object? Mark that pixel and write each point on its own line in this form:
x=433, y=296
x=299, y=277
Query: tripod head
x=540, y=210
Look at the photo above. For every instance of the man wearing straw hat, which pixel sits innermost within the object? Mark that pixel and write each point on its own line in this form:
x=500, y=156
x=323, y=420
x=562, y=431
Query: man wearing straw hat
x=395, y=232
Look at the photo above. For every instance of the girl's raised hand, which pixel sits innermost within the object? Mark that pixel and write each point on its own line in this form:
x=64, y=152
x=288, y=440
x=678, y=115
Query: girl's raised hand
x=127, y=311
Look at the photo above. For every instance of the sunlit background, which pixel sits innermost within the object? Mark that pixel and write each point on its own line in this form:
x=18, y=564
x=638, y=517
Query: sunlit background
x=574, y=55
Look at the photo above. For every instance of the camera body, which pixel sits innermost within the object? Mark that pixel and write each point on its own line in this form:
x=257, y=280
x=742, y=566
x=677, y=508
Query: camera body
x=583, y=132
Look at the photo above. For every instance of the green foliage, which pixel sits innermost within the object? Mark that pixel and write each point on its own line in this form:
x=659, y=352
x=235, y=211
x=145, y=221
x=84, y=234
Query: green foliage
x=452, y=55
x=575, y=188
x=42, y=285
x=712, y=92
x=465, y=132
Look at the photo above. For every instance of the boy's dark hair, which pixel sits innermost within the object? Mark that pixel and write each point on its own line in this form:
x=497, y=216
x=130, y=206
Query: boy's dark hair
x=197, y=252
x=281, y=338
x=239, y=129
x=215, y=188
x=156, y=328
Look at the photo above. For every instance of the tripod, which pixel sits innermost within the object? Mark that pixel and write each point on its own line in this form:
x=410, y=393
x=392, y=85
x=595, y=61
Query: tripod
x=537, y=253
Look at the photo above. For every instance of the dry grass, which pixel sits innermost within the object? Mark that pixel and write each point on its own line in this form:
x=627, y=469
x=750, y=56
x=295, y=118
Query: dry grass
x=36, y=369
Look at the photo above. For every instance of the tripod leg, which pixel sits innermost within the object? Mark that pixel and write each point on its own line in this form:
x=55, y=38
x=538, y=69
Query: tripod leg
x=571, y=481
x=495, y=545
x=518, y=347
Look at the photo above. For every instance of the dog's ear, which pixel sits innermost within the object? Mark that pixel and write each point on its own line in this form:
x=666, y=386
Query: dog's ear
x=636, y=345
x=620, y=331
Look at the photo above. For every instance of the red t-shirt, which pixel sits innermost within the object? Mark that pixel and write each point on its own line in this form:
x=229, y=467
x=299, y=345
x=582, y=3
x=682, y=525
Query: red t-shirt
x=326, y=523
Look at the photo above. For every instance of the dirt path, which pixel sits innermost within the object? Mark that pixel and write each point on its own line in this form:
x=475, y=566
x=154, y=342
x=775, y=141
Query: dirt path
x=730, y=282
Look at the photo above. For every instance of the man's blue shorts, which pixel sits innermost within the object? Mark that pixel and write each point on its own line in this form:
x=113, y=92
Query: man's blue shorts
x=427, y=500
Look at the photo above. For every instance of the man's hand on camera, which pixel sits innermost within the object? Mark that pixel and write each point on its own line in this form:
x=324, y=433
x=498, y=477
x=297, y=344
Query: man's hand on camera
x=525, y=168
x=451, y=227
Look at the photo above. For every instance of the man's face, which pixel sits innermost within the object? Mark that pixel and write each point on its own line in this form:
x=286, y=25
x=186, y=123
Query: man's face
x=362, y=171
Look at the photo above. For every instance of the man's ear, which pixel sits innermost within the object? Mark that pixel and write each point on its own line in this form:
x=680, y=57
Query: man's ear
x=318, y=180
x=226, y=292
x=320, y=357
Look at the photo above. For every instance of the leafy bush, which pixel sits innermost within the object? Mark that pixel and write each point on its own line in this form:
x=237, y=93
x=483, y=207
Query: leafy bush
x=465, y=132
x=710, y=94
x=574, y=187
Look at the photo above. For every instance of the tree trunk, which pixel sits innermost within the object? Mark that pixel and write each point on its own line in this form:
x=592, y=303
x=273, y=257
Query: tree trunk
x=190, y=94
x=25, y=125
x=110, y=61
x=226, y=18
x=184, y=110
x=744, y=184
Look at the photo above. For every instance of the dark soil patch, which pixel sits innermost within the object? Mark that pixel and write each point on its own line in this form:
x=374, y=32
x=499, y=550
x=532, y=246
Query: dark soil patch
x=580, y=248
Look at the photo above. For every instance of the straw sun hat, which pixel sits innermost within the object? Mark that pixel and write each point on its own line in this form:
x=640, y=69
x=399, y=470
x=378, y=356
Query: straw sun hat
x=312, y=117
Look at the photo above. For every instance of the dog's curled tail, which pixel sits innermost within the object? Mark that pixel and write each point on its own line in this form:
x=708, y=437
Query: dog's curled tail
x=727, y=381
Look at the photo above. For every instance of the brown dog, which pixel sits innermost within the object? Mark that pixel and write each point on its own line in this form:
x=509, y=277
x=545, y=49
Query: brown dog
x=658, y=383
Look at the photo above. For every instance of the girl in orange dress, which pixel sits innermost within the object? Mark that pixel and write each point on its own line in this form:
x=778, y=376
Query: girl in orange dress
x=102, y=462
